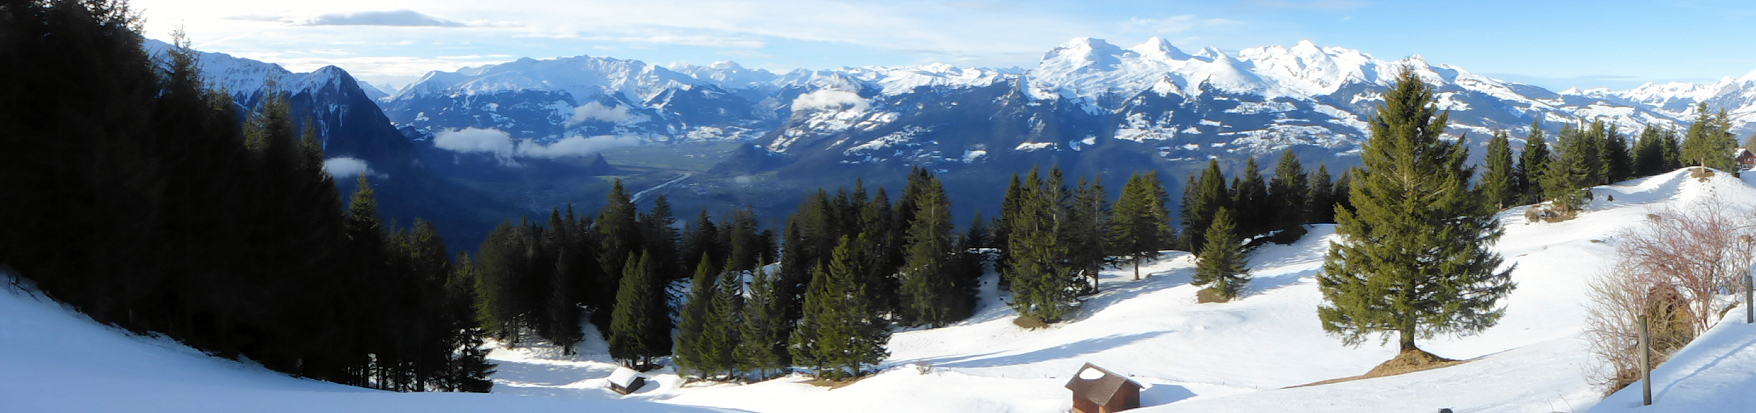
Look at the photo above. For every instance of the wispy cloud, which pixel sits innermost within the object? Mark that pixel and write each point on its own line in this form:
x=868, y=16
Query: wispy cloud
x=1309, y=4
x=1175, y=24
x=400, y=18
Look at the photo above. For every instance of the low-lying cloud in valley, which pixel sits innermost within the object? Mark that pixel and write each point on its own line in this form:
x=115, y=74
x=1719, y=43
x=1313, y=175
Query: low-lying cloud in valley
x=507, y=149
x=348, y=168
x=596, y=111
x=831, y=99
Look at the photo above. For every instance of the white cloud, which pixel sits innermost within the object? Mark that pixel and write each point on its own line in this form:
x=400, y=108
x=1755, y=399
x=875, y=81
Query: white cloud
x=403, y=18
x=348, y=168
x=594, y=110
x=574, y=146
x=830, y=99
x=507, y=150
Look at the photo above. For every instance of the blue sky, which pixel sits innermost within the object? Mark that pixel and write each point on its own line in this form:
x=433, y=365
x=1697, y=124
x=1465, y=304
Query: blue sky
x=1555, y=44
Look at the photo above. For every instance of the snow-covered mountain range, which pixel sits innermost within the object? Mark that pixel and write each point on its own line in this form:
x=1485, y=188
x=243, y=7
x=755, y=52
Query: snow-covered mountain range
x=1152, y=98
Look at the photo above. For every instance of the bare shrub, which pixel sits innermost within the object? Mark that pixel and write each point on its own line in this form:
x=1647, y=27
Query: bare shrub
x=1670, y=269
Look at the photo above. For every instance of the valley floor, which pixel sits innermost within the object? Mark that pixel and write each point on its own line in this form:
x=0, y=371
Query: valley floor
x=1233, y=357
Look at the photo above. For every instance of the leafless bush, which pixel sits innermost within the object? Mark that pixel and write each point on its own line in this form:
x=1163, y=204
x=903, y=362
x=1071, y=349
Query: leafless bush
x=1670, y=269
x=1704, y=250
x=1621, y=296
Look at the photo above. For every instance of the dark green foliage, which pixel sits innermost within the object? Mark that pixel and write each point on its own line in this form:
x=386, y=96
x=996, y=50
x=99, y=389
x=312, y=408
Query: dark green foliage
x=692, y=324
x=1656, y=152
x=1288, y=197
x=839, y=333
x=1618, y=162
x=762, y=334
x=1533, y=163
x=1709, y=141
x=640, y=330
x=703, y=237
x=928, y=278
x=1201, y=200
x=1250, y=201
x=719, y=338
x=1043, y=285
x=132, y=195
x=619, y=235
x=1087, y=231
x=1414, y=256
x=1573, y=170
x=1322, y=189
x=1136, y=226
x=1499, y=184
x=1222, y=269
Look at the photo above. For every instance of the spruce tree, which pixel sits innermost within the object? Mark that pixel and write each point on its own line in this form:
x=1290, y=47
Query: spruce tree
x=639, y=316
x=1222, y=268
x=1201, y=201
x=1572, y=171
x=1288, y=201
x=725, y=313
x=1134, y=226
x=840, y=332
x=927, y=292
x=1414, y=257
x=1322, y=189
x=1499, y=184
x=618, y=233
x=1088, y=231
x=692, y=323
x=1533, y=163
x=1649, y=153
x=1042, y=283
x=762, y=334
x=1250, y=200
x=1709, y=141
x=1618, y=162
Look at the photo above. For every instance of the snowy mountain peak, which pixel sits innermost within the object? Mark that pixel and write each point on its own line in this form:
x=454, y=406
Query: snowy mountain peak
x=1085, y=53
x=1159, y=49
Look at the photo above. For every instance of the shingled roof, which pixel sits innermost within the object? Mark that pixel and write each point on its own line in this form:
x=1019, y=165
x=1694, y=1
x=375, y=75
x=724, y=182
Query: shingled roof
x=1099, y=390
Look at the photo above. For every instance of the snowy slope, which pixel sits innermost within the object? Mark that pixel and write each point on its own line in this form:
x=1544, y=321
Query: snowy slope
x=1712, y=374
x=1232, y=357
x=55, y=360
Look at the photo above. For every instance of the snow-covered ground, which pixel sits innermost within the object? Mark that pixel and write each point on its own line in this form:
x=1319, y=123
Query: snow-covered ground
x=1232, y=357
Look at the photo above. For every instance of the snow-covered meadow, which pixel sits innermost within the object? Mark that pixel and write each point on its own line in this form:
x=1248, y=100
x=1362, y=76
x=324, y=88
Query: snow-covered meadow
x=1240, y=356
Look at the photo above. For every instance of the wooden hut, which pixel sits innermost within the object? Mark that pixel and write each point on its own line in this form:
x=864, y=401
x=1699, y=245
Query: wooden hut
x=1746, y=159
x=1096, y=390
x=625, y=380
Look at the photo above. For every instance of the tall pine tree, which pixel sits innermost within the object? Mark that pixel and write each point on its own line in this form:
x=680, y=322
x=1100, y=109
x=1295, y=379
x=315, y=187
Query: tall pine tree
x=1413, y=258
x=1201, y=201
x=1499, y=185
x=1533, y=163
x=1222, y=268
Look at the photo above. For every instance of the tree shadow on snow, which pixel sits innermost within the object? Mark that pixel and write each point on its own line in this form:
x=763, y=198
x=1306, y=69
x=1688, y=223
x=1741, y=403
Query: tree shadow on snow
x=1065, y=351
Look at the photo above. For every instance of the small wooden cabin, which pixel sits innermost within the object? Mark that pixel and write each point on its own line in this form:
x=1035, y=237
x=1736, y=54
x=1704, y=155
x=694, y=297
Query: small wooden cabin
x=626, y=380
x=1096, y=390
x=1746, y=159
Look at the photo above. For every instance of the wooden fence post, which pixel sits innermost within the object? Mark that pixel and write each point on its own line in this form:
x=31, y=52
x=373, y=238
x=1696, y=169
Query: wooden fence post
x=1749, y=312
x=1645, y=362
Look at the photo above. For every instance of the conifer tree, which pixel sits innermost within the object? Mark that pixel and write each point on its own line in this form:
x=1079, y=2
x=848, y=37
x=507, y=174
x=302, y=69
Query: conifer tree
x=1135, y=226
x=1042, y=284
x=1201, y=201
x=1322, y=196
x=1533, y=163
x=1499, y=184
x=1222, y=268
x=618, y=233
x=1618, y=162
x=1003, y=224
x=1709, y=141
x=762, y=334
x=725, y=311
x=1572, y=171
x=840, y=332
x=640, y=328
x=1649, y=153
x=1088, y=231
x=1414, y=257
x=927, y=292
x=1288, y=199
x=703, y=238
x=1250, y=200
x=692, y=323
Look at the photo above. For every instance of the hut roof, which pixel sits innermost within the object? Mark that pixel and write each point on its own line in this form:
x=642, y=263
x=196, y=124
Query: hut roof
x=623, y=376
x=1097, y=388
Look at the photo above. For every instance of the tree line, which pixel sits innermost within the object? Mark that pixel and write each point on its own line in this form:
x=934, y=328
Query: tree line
x=135, y=195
